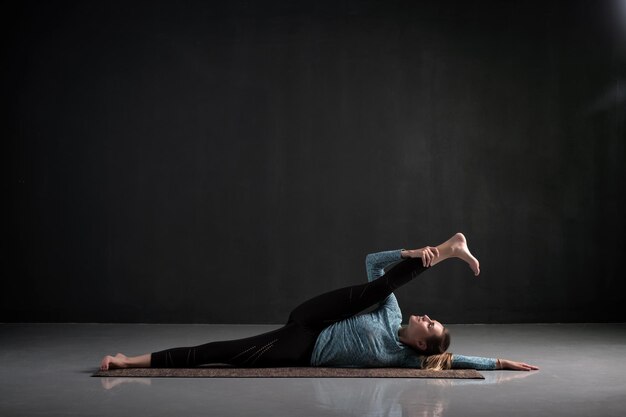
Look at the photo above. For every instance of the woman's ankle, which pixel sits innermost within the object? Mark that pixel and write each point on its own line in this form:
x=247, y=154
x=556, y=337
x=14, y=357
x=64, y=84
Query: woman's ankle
x=141, y=361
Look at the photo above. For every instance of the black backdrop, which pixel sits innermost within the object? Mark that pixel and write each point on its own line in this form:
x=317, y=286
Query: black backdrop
x=219, y=163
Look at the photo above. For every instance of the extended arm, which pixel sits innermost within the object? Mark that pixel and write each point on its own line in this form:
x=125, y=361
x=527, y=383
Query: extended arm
x=478, y=362
x=473, y=362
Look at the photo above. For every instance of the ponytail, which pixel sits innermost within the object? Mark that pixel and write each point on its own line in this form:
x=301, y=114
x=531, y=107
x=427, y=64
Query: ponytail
x=437, y=362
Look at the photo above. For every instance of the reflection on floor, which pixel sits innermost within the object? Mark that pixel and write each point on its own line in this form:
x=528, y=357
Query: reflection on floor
x=46, y=369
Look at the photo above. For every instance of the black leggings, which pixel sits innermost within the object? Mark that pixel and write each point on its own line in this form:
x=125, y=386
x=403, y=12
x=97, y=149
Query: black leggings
x=292, y=344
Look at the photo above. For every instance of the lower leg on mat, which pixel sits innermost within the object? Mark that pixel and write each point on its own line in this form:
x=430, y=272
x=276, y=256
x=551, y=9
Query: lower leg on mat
x=289, y=345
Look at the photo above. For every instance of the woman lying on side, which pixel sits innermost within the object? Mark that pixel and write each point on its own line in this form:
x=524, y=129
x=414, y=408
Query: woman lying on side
x=328, y=330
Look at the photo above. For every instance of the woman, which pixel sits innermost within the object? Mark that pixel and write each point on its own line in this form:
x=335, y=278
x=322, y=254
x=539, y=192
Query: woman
x=328, y=330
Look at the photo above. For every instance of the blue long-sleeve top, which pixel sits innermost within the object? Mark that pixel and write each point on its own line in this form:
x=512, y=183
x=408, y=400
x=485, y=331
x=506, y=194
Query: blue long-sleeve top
x=371, y=339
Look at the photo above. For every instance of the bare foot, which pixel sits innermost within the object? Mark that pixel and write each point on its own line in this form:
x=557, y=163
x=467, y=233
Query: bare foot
x=460, y=250
x=117, y=361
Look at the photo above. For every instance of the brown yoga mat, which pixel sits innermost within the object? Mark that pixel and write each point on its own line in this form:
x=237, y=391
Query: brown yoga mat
x=303, y=372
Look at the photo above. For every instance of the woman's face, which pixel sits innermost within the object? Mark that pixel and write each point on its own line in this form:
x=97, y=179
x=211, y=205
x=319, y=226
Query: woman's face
x=422, y=327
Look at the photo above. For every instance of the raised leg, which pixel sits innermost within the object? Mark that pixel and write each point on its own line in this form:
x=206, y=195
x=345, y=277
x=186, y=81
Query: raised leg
x=328, y=308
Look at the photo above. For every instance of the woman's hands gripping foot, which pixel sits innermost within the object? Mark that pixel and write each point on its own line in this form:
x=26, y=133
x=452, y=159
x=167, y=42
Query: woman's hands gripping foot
x=455, y=247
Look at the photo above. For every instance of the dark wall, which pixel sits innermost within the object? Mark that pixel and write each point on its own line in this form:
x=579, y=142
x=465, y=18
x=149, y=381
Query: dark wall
x=199, y=163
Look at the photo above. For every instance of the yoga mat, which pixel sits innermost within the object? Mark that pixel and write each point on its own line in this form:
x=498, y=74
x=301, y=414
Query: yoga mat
x=286, y=372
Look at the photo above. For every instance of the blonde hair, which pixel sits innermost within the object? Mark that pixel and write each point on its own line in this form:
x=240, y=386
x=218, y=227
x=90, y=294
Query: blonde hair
x=437, y=362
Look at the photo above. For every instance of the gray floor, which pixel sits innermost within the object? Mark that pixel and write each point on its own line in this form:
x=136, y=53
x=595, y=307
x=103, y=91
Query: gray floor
x=46, y=370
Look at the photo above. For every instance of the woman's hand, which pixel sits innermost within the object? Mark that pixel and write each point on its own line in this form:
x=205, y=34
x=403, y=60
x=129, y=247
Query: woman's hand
x=427, y=253
x=516, y=366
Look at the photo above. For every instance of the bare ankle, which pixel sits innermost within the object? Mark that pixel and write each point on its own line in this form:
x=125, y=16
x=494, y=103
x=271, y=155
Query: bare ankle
x=457, y=243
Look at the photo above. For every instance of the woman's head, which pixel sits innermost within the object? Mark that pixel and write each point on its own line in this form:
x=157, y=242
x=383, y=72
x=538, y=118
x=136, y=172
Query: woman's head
x=428, y=337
